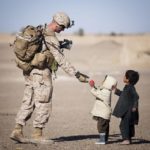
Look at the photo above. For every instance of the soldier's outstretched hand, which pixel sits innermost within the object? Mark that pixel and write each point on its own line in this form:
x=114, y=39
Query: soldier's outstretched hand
x=82, y=77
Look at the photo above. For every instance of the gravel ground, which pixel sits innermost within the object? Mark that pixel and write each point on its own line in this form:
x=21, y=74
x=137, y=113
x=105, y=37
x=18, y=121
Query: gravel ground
x=71, y=125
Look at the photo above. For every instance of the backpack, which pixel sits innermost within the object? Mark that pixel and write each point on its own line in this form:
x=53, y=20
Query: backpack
x=27, y=47
x=28, y=42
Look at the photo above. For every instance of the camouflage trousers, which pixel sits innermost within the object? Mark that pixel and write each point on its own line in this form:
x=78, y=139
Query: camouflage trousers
x=37, y=96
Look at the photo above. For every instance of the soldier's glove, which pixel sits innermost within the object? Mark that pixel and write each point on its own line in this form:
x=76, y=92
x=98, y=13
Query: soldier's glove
x=81, y=77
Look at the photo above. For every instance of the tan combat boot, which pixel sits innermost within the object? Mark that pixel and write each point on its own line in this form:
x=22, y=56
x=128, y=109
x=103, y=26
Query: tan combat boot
x=38, y=138
x=37, y=133
x=17, y=133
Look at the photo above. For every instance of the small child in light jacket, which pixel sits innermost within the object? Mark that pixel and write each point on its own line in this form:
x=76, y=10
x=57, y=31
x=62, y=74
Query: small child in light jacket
x=101, y=111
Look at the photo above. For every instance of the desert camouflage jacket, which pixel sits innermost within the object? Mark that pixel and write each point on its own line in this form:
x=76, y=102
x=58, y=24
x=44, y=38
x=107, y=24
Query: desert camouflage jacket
x=53, y=45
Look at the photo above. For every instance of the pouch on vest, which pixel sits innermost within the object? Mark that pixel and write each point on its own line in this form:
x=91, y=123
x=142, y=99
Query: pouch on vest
x=39, y=61
x=51, y=62
x=45, y=59
x=26, y=67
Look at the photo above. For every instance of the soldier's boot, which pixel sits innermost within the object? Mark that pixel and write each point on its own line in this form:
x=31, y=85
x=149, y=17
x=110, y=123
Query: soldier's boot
x=102, y=139
x=37, y=133
x=38, y=138
x=17, y=133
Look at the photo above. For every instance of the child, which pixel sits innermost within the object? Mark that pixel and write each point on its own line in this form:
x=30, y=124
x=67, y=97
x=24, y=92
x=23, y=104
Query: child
x=127, y=106
x=102, y=108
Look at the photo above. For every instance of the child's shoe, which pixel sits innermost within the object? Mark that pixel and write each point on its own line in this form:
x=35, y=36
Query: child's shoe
x=102, y=139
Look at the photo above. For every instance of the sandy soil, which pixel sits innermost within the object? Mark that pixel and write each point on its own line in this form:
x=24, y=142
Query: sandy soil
x=71, y=125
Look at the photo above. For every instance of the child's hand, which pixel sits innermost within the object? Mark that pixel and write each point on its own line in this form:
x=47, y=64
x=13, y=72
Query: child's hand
x=92, y=83
x=114, y=87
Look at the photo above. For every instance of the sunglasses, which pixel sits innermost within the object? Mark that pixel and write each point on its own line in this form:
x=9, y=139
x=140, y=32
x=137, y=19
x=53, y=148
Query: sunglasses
x=62, y=27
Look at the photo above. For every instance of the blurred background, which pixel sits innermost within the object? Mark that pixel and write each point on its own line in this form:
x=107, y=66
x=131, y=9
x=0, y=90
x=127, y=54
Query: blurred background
x=94, y=17
x=109, y=33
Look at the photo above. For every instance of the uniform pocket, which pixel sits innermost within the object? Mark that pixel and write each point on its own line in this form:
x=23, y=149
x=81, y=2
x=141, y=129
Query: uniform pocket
x=44, y=94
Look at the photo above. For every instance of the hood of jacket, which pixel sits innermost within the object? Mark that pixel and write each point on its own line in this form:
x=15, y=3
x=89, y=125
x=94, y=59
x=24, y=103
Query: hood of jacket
x=109, y=82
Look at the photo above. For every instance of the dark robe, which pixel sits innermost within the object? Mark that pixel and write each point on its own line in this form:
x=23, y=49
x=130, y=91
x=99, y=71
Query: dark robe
x=128, y=98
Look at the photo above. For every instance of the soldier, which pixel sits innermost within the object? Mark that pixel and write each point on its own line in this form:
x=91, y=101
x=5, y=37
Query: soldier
x=38, y=83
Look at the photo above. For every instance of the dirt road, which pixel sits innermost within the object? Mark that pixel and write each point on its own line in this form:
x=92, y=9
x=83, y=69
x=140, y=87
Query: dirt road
x=71, y=125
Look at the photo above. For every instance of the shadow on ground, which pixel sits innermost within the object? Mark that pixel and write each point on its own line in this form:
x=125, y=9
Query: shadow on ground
x=75, y=137
x=114, y=138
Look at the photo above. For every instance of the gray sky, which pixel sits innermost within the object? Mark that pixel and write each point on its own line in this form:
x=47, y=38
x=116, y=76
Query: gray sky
x=94, y=16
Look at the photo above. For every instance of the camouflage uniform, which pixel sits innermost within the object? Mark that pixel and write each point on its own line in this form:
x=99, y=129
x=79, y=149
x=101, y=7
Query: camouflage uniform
x=38, y=86
x=38, y=82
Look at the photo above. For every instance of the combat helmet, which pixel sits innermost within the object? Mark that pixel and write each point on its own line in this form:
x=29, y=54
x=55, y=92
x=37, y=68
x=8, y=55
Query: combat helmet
x=63, y=19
